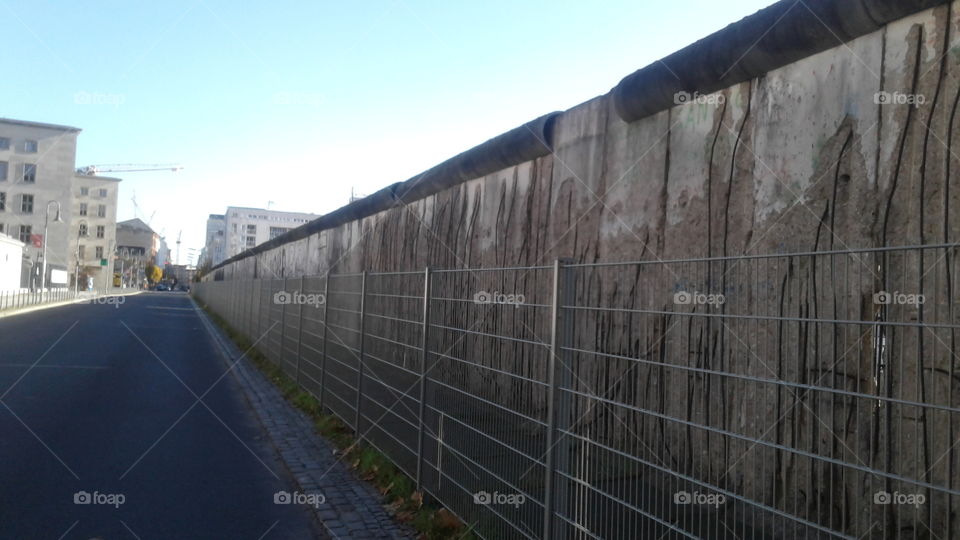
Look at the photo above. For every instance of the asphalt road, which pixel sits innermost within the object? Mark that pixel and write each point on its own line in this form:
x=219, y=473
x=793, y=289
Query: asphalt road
x=103, y=399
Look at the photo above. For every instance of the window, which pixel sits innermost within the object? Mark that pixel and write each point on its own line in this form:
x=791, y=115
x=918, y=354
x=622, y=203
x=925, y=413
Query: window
x=29, y=173
x=26, y=204
x=30, y=146
x=103, y=193
x=4, y=143
x=3, y=201
x=251, y=241
x=277, y=231
x=99, y=252
x=252, y=229
x=101, y=210
x=83, y=229
x=100, y=231
x=3, y=170
x=81, y=252
x=83, y=209
x=25, y=231
x=84, y=191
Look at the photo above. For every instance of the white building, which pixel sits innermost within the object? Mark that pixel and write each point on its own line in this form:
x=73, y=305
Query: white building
x=11, y=262
x=214, y=251
x=245, y=228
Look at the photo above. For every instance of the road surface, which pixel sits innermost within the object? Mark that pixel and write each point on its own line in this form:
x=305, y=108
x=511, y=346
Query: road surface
x=121, y=421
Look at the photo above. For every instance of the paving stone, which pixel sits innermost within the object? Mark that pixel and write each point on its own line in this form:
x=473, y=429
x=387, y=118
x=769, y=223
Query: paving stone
x=352, y=508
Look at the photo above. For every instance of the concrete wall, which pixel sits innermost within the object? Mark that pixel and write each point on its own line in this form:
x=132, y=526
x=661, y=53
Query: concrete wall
x=751, y=175
x=803, y=158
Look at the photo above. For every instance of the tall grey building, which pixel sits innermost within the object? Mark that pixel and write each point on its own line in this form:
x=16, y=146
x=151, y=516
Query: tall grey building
x=38, y=170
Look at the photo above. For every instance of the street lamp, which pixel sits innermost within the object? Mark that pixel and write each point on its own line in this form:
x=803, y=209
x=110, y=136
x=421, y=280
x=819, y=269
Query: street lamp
x=46, y=220
x=81, y=226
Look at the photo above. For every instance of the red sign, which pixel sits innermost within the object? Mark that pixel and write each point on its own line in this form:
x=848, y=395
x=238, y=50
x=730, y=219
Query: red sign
x=36, y=240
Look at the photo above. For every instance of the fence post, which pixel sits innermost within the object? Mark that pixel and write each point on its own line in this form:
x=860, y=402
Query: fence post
x=558, y=370
x=283, y=323
x=424, y=357
x=363, y=301
x=323, y=344
x=259, y=335
x=300, y=330
x=250, y=297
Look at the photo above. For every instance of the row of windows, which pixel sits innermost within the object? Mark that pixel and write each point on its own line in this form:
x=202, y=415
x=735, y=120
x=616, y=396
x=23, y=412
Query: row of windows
x=29, y=146
x=264, y=217
x=84, y=191
x=23, y=234
x=82, y=252
x=26, y=205
x=25, y=231
x=84, y=231
x=26, y=173
x=101, y=210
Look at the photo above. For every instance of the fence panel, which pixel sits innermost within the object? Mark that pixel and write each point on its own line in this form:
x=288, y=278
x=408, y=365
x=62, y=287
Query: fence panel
x=796, y=395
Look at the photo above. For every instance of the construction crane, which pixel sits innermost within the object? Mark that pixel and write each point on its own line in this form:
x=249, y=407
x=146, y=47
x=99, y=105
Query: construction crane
x=136, y=209
x=93, y=170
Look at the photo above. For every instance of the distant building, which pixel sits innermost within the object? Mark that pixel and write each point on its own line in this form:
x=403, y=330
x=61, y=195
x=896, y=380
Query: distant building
x=245, y=228
x=163, y=253
x=38, y=168
x=137, y=245
x=11, y=262
x=214, y=251
x=94, y=219
x=182, y=273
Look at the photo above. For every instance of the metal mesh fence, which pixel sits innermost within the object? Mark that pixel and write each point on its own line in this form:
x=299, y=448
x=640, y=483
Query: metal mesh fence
x=10, y=300
x=797, y=395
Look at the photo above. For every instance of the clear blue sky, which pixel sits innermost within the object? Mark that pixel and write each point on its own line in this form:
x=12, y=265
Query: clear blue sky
x=295, y=102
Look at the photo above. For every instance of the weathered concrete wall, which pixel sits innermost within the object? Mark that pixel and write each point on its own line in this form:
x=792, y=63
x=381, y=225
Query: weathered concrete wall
x=802, y=158
x=751, y=175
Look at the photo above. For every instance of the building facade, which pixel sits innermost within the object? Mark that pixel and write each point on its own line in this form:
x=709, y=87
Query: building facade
x=214, y=251
x=37, y=163
x=245, y=228
x=38, y=181
x=137, y=246
x=94, y=225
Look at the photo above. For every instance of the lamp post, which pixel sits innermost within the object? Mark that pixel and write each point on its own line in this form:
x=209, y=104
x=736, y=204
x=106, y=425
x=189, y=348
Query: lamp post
x=46, y=221
x=108, y=270
x=81, y=226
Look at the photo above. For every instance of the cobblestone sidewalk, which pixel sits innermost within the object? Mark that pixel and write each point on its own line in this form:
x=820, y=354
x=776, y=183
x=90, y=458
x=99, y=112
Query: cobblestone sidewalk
x=353, y=509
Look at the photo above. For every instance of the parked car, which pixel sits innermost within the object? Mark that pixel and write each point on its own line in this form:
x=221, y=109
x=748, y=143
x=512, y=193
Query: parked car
x=161, y=287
